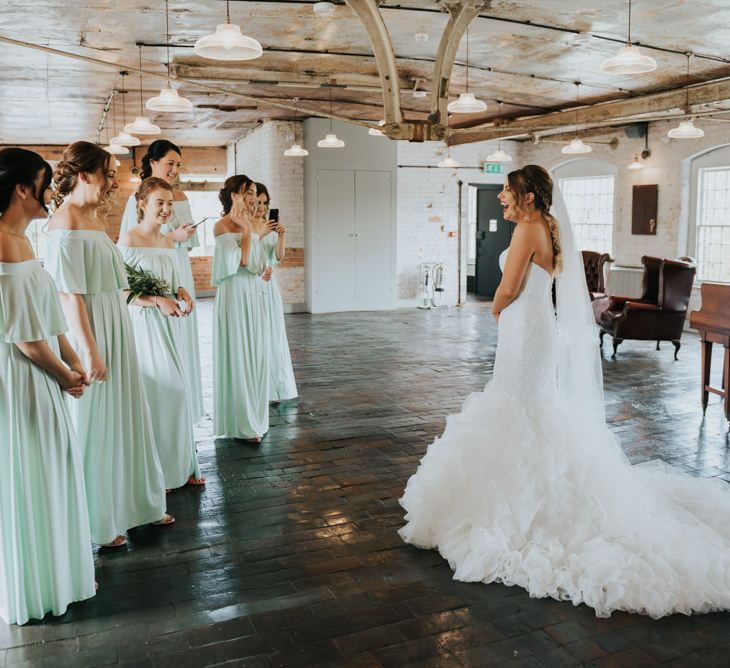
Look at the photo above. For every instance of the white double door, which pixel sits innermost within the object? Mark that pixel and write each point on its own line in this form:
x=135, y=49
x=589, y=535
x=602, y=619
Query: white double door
x=355, y=254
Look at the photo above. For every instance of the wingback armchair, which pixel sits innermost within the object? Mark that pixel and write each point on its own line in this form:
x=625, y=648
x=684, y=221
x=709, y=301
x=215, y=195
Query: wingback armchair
x=594, y=265
x=660, y=312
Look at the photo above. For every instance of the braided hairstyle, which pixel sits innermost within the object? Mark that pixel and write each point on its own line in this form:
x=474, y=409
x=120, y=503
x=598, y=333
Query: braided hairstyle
x=238, y=183
x=157, y=150
x=18, y=166
x=79, y=157
x=536, y=180
x=146, y=187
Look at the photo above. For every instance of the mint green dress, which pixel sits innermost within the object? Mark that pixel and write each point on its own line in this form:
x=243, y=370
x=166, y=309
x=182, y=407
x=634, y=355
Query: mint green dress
x=241, y=337
x=124, y=483
x=190, y=353
x=283, y=386
x=164, y=373
x=45, y=547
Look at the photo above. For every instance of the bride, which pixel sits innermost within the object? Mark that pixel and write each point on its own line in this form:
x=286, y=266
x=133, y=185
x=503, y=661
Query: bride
x=527, y=486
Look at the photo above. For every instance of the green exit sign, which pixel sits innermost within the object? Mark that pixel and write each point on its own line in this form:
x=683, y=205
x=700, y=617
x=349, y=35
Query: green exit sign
x=493, y=168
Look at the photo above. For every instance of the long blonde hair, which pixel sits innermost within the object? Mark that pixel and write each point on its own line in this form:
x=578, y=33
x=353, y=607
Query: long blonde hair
x=536, y=180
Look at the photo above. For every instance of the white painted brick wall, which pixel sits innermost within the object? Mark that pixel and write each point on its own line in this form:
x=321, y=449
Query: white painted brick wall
x=260, y=155
x=428, y=210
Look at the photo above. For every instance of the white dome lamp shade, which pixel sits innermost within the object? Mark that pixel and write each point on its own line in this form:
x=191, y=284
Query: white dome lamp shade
x=376, y=132
x=141, y=125
x=296, y=151
x=331, y=140
x=629, y=59
x=112, y=147
x=467, y=103
x=116, y=149
x=576, y=146
x=686, y=129
x=323, y=8
x=499, y=156
x=635, y=165
x=169, y=100
x=227, y=43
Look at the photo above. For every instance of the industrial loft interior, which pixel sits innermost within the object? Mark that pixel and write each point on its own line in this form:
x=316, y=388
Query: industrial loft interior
x=365, y=333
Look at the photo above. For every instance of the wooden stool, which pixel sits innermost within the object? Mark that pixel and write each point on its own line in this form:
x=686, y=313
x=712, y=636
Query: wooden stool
x=712, y=322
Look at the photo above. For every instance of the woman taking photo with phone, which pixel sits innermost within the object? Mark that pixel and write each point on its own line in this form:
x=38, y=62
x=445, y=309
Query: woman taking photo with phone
x=272, y=235
x=241, y=330
x=124, y=483
x=45, y=546
x=157, y=322
x=163, y=160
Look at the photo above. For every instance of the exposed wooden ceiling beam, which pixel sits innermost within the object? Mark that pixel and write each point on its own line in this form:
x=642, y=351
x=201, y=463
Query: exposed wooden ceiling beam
x=616, y=111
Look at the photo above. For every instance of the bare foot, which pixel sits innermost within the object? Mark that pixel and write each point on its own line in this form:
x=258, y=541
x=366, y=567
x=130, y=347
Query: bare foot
x=119, y=541
x=192, y=480
x=256, y=440
x=165, y=521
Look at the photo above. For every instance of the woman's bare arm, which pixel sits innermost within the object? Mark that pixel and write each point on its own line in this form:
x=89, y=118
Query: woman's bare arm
x=521, y=250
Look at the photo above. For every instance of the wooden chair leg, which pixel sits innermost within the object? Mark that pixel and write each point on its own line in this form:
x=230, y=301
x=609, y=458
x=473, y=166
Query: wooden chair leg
x=677, y=346
x=706, y=365
x=616, y=344
x=726, y=381
x=657, y=346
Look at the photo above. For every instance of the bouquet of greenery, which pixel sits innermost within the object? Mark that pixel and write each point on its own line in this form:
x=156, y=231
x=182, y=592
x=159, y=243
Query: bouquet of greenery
x=142, y=282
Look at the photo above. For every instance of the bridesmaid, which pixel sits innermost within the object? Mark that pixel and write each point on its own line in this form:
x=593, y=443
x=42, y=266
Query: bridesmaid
x=283, y=386
x=124, y=482
x=158, y=333
x=163, y=160
x=45, y=548
x=241, y=331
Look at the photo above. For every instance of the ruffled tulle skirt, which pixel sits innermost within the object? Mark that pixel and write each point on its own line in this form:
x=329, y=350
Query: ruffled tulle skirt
x=532, y=495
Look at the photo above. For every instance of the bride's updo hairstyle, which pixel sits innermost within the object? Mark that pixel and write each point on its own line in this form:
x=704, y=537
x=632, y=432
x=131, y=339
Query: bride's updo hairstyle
x=238, y=183
x=145, y=188
x=79, y=157
x=536, y=180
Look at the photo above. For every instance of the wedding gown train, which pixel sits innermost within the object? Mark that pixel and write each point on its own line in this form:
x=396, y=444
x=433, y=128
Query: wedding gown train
x=521, y=490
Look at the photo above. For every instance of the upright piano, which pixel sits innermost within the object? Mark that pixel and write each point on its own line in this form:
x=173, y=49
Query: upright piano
x=712, y=322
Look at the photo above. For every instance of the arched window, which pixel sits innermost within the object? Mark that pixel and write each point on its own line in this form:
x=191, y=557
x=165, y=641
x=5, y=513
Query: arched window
x=709, y=237
x=588, y=189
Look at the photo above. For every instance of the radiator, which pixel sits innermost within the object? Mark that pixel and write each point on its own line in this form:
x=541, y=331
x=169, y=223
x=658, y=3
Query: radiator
x=625, y=281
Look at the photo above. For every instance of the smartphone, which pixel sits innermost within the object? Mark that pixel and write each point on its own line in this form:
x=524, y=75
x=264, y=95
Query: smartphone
x=200, y=222
x=274, y=215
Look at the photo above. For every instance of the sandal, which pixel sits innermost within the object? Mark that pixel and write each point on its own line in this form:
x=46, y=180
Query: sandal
x=166, y=520
x=255, y=440
x=192, y=480
x=119, y=541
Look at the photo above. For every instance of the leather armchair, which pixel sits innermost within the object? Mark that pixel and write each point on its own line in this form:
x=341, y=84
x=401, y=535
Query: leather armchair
x=594, y=265
x=660, y=312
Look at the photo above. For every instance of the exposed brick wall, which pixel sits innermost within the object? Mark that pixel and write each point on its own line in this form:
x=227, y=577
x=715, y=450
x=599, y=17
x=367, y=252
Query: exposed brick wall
x=202, y=266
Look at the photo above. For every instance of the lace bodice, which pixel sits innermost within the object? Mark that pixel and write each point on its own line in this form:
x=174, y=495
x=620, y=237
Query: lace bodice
x=526, y=357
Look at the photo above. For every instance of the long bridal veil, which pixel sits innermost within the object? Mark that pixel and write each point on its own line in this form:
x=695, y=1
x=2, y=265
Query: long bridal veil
x=580, y=377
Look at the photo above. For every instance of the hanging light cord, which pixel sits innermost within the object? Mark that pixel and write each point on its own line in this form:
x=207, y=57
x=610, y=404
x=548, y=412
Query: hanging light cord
x=167, y=40
x=228, y=12
x=124, y=102
x=499, y=136
x=686, y=85
x=629, y=22
x=467, y=58
x=577, y=102
x=141, y=109
x=330, y=107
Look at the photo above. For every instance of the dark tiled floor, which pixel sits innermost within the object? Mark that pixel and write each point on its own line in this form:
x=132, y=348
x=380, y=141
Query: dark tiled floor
x=290, y=555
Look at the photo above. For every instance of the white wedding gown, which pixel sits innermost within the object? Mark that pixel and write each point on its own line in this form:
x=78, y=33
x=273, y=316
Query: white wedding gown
x=521, y=490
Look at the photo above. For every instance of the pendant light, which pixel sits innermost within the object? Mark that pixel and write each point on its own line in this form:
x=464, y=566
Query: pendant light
x=296, y=150
x=499, y=156
x=686, y=129
x=124, y=138
x=636, y=164
x=448, y=162
x=629, y=59
x=576, y=146
x=227, y=43
x=169, y=99
x=330, y=140
x=376, y=132
x=113, y=147
x=141, y=125
x=467, y=103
